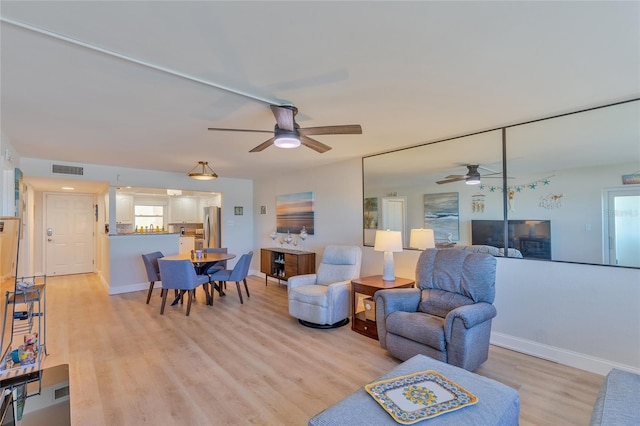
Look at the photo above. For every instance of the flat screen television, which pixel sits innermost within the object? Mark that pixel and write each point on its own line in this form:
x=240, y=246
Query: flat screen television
x=531, y=237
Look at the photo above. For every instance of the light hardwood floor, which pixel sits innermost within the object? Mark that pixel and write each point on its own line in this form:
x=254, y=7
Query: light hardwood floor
x=233, y=364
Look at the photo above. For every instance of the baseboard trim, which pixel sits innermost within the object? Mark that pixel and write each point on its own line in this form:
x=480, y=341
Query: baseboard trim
x=104, y=282
x=559, y=355
x=130, y=288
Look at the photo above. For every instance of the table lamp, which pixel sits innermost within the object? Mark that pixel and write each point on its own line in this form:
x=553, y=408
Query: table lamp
x=422, y=239
x=532, y=227
x=388, y=242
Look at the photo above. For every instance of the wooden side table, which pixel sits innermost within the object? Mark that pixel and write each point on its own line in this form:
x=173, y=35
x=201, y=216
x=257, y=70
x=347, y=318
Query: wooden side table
x=364, y=322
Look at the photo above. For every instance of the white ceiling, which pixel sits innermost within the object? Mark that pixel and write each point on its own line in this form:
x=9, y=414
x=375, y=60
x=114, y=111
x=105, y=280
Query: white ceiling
x=408, y=72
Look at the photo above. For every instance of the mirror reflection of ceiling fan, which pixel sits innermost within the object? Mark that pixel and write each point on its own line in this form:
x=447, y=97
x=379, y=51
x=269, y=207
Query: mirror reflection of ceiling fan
x=288, y=134
x=472, y=177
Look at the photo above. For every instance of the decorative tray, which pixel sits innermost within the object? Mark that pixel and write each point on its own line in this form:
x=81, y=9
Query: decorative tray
x=419, y=396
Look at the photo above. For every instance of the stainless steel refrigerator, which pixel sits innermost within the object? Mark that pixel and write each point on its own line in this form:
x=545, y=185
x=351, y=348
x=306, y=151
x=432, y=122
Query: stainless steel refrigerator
x=212, y=227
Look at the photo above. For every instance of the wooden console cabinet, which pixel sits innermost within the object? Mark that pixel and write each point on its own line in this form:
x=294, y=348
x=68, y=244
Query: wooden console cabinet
x=284, y=263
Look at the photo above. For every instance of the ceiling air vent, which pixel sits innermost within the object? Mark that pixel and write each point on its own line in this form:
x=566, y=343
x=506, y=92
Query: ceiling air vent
x=67, y=170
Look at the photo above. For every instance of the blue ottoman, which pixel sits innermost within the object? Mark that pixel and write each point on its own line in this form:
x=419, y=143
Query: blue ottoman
x=497, y=404
x=617, y=402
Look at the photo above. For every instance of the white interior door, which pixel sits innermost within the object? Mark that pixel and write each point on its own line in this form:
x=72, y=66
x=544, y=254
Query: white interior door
x=394, y=215
x=69, y=226
x=624, y=227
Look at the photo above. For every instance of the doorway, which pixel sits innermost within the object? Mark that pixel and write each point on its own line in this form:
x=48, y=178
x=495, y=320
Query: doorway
x=68, y=234
x=394, y=216
x=622, y=227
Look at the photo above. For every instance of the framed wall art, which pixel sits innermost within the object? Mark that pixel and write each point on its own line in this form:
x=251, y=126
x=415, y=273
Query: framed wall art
x=293, y=211
x=441, y=213
x=371, y=213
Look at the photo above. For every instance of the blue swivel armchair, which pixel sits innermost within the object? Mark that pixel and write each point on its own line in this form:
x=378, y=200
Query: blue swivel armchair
x=321, y=300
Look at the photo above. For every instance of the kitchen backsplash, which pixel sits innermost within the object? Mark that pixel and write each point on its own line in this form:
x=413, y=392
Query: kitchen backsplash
x=189, y=228
x=124, y=228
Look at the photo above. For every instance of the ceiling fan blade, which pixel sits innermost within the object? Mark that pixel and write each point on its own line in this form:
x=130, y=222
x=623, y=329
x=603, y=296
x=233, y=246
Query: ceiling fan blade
x=495, y=177
x=284, y=116
x=314, y=144
x=454, y=179
x=346, y=129
x=264, y=145
x=488, y=170
x=240, y=130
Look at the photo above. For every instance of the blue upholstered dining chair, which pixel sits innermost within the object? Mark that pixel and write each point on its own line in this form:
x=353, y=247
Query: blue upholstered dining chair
x=239, y=273
x=216, y=266
x=181, y=275
x=150, y=261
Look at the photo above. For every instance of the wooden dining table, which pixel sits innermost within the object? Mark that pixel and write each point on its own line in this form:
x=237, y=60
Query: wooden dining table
x=211, y=257
x=202, y=264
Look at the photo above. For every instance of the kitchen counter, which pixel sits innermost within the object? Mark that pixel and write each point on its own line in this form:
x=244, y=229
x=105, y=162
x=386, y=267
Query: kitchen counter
x=123, y=266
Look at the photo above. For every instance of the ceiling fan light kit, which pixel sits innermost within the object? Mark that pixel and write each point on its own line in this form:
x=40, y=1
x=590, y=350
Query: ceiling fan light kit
x=472, y=179
x=287, y=134
x=202, y=172
x=286, y=139
x=473, y=176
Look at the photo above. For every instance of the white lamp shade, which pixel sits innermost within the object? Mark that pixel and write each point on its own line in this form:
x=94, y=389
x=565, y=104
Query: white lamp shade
x=422, y=239
x=388, y=241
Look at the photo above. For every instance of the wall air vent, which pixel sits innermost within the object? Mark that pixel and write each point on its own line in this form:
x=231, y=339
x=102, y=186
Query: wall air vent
x=62, y=392
x=67, y=170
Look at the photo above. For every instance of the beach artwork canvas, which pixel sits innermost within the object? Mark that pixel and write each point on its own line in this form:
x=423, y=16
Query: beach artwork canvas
x=441, y=215
x=293, y=211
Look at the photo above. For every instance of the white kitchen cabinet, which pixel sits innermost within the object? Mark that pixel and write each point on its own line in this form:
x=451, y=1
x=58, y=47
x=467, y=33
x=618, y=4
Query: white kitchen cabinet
x=186, y=244
x=206, y=202
x=124, y=209
x=183, y=210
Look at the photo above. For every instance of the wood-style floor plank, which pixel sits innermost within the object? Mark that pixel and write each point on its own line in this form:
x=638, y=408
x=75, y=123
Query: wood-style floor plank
x=233, y=364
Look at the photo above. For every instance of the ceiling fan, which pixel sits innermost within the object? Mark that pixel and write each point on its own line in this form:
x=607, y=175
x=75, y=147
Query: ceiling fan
x=472, y=177
x=288, y=134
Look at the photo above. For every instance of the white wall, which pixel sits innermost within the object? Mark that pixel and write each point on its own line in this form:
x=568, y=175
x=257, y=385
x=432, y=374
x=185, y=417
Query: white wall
x=336, y=200
x=585, y=316
x=9, y=160
x=237, y=231
x=127, y=272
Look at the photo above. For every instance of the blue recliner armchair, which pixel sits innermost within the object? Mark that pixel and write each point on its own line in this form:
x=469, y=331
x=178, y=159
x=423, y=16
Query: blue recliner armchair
x=447, y=316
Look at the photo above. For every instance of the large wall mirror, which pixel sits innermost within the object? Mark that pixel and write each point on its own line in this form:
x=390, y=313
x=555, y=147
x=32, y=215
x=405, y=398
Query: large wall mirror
x=571, y=191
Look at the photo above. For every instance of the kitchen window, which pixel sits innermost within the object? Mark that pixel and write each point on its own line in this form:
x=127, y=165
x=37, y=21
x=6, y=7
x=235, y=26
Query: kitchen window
x=149, y=217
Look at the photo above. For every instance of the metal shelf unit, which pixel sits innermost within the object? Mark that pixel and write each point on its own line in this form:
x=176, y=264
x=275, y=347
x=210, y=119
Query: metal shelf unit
x=28, y=315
